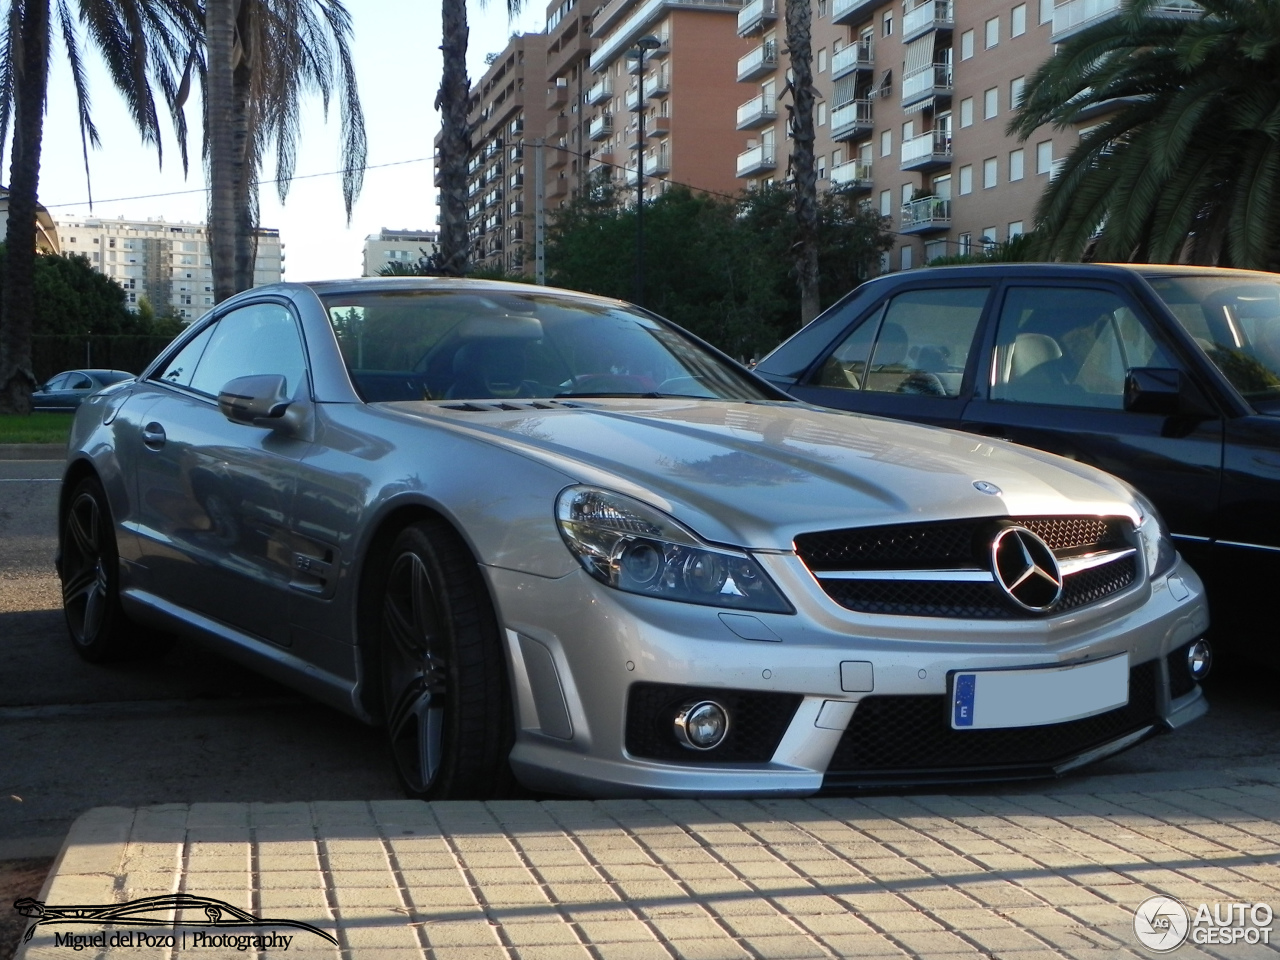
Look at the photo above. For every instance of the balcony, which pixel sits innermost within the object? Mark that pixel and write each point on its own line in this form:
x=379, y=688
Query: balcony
x=754, y=15
x=663, y=48
x=926, y=215
x=930, y=15
x=657, y=163
x=601, y=127
x=1076, y=15
x=851, y=121
x=557, y=96
x=856, y=56
x=852, y=12
x=757, y=160
x=600, y=91
x=932, y=149
x=557, y=188
x=756, y=112
x=633, y=99
x=658, y=84
x=609, y=14
x=933, y=80
x=852, y=175
x=763, y=59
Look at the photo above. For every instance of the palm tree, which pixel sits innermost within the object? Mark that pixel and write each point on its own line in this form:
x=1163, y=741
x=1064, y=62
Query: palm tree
x=136, y=38
x=799, y=19
x=1186, y=163
x=262, y=57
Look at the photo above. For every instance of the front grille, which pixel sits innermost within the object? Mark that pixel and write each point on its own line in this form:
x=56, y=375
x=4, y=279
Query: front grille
x=910, y=739
x=757, y=722
x=959, y=545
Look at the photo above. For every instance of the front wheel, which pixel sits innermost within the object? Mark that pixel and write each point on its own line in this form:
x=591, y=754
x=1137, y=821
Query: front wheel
x=444, y=690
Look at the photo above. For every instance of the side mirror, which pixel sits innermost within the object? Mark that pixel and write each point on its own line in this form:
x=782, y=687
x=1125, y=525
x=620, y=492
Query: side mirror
x=251, y=399
x=1163, y=391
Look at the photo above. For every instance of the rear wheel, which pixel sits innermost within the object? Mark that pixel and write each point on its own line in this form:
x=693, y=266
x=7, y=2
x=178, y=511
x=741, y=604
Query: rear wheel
x=447, y=710
x=90, y=572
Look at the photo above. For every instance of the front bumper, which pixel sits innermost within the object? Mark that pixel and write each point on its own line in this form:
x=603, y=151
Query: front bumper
x=580, y=652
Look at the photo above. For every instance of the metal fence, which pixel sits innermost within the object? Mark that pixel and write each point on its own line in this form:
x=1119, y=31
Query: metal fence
x=52, y=353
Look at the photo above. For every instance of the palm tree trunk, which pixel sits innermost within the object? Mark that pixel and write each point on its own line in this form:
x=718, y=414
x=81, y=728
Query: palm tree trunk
x=455, y=139
x=246, y=187
x=31, y=82
x=225, y=161
x=799, y=17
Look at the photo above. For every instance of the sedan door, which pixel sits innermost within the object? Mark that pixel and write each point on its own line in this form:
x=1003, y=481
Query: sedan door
x=214, y=497
x=1054, y=378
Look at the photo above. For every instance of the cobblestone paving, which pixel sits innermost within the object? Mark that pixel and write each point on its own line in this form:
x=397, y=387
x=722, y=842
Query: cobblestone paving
x=1016, y=877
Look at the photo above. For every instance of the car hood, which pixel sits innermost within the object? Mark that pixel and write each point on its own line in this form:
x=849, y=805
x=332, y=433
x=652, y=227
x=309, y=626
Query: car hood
x=756, y=474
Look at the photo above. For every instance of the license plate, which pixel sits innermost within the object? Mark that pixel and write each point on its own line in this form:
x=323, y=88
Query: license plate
x=992, y=699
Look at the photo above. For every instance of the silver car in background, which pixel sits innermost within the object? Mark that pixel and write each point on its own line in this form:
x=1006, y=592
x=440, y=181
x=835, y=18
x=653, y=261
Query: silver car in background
x=542, y=535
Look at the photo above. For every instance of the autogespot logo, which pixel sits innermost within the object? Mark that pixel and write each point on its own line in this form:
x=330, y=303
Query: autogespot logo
x=1161, y=924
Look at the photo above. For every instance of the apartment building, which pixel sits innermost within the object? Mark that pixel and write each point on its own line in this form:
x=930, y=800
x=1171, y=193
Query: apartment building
x=397, y=246
x=168, y=263
x=569, y=78
x=508, y=105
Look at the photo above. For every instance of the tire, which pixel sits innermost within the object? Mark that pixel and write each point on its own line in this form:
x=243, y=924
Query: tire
x=446, y=705
x=90, y=573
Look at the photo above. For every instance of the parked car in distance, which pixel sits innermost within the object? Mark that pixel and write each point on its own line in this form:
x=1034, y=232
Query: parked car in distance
x=67, y=390
x=1168, y=377
x=540, y=533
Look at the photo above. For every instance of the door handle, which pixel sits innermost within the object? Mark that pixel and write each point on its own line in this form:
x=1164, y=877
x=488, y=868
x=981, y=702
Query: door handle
x=153, y=436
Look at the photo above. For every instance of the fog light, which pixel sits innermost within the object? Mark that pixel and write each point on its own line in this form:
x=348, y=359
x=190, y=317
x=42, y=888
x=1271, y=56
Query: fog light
x=1199, y=659
x=701, y=725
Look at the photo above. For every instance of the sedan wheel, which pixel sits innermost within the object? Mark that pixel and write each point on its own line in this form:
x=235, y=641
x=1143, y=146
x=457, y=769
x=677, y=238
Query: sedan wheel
x=443, y=673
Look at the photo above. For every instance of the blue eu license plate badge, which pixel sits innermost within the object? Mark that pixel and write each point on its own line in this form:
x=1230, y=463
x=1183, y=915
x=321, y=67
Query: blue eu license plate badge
x=965, y=684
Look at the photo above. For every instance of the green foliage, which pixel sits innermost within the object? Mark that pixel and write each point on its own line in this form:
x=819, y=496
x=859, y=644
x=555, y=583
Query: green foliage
x=1019, y=249
x=35, y=428
x=722, y=269
x=1186, y=164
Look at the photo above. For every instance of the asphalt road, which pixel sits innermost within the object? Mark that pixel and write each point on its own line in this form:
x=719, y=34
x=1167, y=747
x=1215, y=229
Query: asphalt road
x=193, y=726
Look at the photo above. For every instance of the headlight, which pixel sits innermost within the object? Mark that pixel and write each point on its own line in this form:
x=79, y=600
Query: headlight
x=1157, y=545
x=633, y=547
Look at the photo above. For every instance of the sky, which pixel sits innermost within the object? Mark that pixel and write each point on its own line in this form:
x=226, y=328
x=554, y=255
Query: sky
x=396, y=48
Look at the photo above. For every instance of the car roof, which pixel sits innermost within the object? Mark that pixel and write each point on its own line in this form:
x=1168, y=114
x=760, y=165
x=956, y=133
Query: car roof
x=1096, y=270
x=455, y=284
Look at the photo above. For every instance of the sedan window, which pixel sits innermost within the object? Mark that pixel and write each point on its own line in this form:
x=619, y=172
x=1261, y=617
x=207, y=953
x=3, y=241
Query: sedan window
x=78, y=381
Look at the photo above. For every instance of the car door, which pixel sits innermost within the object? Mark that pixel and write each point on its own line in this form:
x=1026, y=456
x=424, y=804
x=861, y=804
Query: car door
x=214, y=497
x=48, y=397
x=73, y=392
x=908, y=356
x=1055, y=365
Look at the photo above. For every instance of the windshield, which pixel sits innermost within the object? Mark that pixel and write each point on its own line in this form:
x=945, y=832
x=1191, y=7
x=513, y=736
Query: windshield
x=1236, y=321
x=501, y=345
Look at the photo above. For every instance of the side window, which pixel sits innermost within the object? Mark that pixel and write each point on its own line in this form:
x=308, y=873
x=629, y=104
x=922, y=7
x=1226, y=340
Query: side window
x=919, y=344
x=1070, y=347
x=78, y=381
x=182, y=366
x=258, y=339
x=58, y=382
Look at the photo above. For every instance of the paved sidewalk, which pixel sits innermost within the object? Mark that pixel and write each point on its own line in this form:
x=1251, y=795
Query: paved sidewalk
x=1016, y=876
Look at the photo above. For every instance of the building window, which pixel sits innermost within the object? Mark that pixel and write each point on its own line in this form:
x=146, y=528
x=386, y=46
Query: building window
x=1018, y=20
x=990, y=103
x=1016, y=87
x=964, y=245
x=821, y=166
x=966, y=112
x=822, y=60
x=933, y=249
x=908, y=130
x=886, y=203
x=1046, y=11
x=992, y=34
x=988, y=236
x=886, y=24
x=966, y=179
x=990, y=173
x=904, y=258
x=822, y=117
x=1015, y=229
x=837, y=157
x=966, y=45
x=1016, y=158
x=1044, y=156
x=886, y=143
x=908, y=191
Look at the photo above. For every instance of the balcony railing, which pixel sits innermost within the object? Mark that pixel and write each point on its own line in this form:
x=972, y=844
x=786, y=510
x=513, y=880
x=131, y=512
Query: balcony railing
x=1071, y=17
x=755, y=15
x=930, y=15
x=856, y=56
x=757, y=160
x=931, y=80
x=851, y=120
x=927, y=150
x=763, y=59
x=657, y=163
x=633, y=98
x=600, y=91
x=852, y=174
x=756, y=112
x=926, y=214
x=557, y=96
x=850, y=12
x=601, y=126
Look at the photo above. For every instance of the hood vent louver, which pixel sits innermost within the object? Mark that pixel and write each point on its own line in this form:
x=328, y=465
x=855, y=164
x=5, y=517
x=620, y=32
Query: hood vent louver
x=478, y=406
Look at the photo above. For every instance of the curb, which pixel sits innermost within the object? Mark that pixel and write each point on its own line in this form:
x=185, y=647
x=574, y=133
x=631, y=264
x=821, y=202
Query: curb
x=33, y=451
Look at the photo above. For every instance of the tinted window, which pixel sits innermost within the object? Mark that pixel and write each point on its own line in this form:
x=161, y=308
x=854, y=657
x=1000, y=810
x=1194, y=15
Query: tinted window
x=254, y=340
x=446, y=345
x=1069, y=346
x=78, y=381
x=918, y=344
x=182, y=366
x=57, y=383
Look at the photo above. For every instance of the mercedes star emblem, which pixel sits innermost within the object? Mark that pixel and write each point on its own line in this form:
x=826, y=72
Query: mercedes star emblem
x=982, y=486
x=1026, y=569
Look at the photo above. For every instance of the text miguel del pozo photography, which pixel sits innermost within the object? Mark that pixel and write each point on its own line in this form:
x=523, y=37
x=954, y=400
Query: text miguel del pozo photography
x=728, y=479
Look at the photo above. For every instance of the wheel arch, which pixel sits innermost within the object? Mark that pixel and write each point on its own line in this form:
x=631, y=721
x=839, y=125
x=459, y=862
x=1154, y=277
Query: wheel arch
x=78, y=470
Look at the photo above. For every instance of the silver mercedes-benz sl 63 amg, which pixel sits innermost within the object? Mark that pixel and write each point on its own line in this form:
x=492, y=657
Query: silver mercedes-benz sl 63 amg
x=550, y=539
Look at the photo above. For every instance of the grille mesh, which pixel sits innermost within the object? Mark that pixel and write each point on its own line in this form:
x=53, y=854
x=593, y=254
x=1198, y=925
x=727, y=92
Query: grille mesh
x=757, y=722
x=910, y=738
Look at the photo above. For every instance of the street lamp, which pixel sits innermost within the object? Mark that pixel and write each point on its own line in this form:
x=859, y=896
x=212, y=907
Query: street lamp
x=644, y=44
